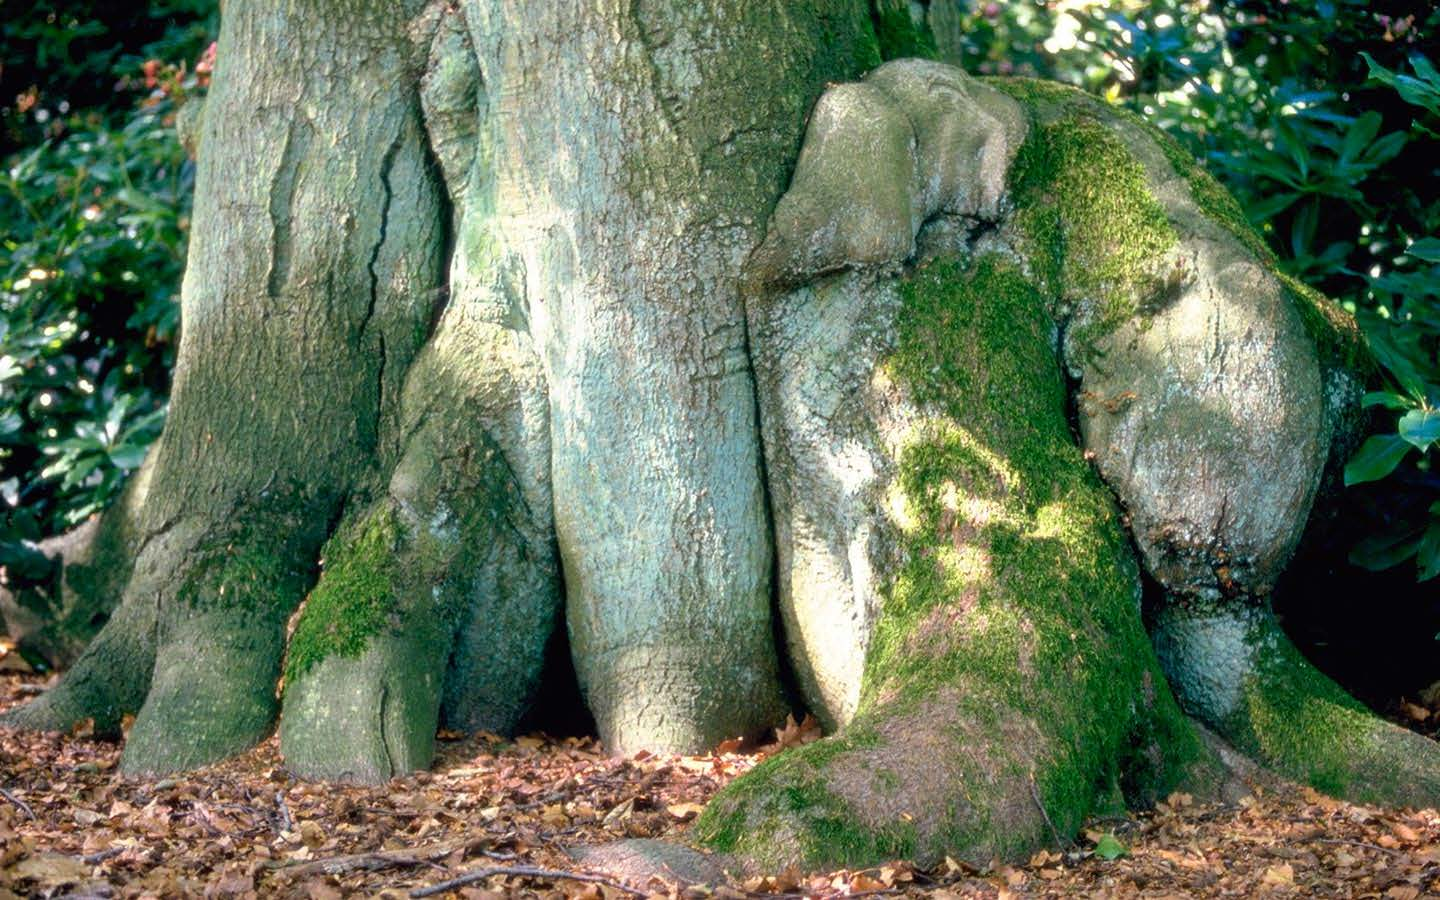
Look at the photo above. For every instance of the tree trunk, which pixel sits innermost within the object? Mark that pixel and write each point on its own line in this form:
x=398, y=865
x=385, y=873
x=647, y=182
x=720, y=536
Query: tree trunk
x=499, y=307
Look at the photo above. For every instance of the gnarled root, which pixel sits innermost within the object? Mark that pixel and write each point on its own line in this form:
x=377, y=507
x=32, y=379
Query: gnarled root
x=1008, y=689
x=1233, y=668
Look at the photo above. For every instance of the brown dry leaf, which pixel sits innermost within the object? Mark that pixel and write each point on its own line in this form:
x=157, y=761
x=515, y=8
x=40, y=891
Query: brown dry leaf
x=793, y=734
x=619, y=813
x=554, y=816
x=50, y=870
x=1278, y=876
x=1413, y=711
x=317, y=889
x=1405, y=833
x=1403, y=892
x=311, y=835
x=13, y=662
x=861, y=881
x=685, y=811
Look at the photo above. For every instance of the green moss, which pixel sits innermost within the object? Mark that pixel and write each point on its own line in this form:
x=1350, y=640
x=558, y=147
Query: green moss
x=783, y=805
x=897, y=32
x=1043, y=561
x=1304, y=724
x=1338, y=339
x=1087, y=218
x=1014, y=606
x=355, y=597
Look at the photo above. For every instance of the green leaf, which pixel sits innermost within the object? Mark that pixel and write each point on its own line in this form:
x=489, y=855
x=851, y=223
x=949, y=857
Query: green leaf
x=1427, y=554
x=1420, y=427
x=1427, y=249
x=1109, y=847
x=1376, y=458
x=1387, y=399
x=1384, y=551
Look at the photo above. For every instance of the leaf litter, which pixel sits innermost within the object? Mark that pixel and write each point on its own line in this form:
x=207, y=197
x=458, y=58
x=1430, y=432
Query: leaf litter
x=495, y=818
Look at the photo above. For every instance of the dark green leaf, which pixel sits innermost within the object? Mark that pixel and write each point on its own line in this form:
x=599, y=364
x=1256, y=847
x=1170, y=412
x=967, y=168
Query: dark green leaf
x=1376, y=458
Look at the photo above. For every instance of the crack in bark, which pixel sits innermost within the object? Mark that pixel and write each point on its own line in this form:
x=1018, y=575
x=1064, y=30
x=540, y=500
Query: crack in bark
x=282, y=202
x=387, y=163
x=657, y=79
x=384, y=737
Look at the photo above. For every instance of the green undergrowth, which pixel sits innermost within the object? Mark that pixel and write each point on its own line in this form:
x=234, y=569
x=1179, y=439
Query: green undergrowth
x=356, y=596
x=897, y=32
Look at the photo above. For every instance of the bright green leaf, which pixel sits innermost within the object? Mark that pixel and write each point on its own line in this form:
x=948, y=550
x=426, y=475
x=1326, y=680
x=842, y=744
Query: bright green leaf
x=1109, y=847
x=1420, y=427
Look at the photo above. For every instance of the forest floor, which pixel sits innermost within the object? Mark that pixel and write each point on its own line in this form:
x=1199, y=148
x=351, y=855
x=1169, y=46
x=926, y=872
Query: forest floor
x=71, y=826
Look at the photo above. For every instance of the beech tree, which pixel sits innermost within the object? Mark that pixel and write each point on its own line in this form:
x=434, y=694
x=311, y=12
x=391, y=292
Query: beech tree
x=770, y=369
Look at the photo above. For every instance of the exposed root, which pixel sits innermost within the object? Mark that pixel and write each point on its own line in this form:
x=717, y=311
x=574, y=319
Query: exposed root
x=109, y=679
x=1234, y=668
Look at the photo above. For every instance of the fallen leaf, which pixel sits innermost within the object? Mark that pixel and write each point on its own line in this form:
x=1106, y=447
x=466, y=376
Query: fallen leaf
x=1278, y=876
x=50, y=870
x=1109, y=847
x=311, y=835
x=685, y=811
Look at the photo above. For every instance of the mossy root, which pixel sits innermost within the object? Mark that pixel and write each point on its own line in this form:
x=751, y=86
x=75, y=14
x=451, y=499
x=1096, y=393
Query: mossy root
x=221, y=640
x=364, y=670
x=213, y=692
x=1234, y=668
x=109, y=680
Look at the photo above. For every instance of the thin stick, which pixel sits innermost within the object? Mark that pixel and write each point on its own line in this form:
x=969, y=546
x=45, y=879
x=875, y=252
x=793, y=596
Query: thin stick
x=1361, y=844
x=96, y=858
x=368, y=862
x=19, y=804
x=523, y=871
x=1035, y=794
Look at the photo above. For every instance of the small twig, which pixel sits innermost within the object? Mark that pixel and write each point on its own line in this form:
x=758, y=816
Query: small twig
x=1362, y=844
x=19, y=804
x=522, y=871
x=1035, y=794
x=370, y=862
x=286, y=822
x=357, y=862
x=92, y=859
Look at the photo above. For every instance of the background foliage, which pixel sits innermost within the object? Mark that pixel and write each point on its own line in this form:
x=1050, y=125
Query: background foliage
x=94, y=197
x=1322, y=116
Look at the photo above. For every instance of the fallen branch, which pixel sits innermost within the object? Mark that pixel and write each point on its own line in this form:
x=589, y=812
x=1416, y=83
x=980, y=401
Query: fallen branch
x=19, y=804
x=374, y=861
x=357, y=862
x=524, y=872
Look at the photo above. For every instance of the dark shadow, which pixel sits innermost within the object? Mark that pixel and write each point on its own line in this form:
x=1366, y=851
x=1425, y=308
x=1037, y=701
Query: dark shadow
x=559, y=709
